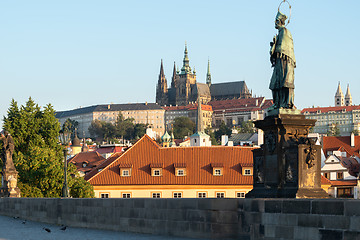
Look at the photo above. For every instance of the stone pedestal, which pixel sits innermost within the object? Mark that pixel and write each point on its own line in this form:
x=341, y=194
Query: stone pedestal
x=9, y=184
x=288, y=163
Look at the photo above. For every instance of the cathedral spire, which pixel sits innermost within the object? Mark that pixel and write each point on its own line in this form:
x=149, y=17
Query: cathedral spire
x=161, y=88
x=186, y=67
x=162, y=69
x=208, y=75
x=348, y=97
x=173, y=80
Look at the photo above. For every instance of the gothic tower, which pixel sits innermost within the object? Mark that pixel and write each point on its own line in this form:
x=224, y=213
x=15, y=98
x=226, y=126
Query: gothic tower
x=185, y=82
x=208, y=75
x=348, y=97
x=339, y=97
x=161, y=88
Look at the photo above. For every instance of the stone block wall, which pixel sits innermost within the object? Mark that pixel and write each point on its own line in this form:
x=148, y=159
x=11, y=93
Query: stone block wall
x=199, y=218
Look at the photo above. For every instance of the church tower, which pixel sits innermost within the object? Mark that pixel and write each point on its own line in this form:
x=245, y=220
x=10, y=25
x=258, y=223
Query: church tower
x=208, y=75
x=186, y=80
x=348, y=97
x=339, y=97
x=161, y=88
x=200, y=138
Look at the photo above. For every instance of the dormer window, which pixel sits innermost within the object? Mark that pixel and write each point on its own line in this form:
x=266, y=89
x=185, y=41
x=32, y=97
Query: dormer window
x=217, y=172
x=218, y=169
x=180, y=169
x=246, y=169
x=84, y=164
x=156, y=169
x=180, y=172
x=125, y=169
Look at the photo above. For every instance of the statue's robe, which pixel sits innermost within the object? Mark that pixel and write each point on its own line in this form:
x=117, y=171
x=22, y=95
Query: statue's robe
x=283, y=59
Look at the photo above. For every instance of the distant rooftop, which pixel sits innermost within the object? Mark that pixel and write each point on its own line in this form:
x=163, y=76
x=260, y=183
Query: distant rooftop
x=108, y=108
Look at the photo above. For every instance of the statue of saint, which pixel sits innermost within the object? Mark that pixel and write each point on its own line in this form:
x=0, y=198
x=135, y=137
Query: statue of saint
x=283, y=61
x=7, y=151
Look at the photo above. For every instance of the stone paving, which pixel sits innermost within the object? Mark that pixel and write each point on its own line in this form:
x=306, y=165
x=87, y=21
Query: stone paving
x=13, y=229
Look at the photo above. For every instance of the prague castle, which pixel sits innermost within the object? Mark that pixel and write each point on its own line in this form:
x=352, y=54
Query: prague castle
x=185, y=89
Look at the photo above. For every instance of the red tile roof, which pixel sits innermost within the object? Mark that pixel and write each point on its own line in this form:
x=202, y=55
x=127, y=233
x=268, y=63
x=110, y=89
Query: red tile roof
x=341, y=143
x=325, y=181
x=198, y=165
x=330, y=109
x=343, y=183
x=240, y=105
x=188, y=107
x=92, y=160
x=104, y=150
x=105, y=163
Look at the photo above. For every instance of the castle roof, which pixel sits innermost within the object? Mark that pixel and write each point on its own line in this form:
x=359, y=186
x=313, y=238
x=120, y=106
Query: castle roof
x=228, y=88
x=330, y=109
x=188, y=107
x=109, y=108
x=199, y=163
x=240, y=105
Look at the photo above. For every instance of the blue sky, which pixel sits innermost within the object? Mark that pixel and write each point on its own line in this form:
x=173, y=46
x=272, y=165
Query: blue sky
x=74, y=53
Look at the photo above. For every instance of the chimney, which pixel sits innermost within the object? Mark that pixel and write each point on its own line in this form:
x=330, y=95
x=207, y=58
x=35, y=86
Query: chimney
x=352, y=140
x=109, y=106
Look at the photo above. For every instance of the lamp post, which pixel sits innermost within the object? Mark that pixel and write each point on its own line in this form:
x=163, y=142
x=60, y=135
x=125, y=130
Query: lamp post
x=64, y=139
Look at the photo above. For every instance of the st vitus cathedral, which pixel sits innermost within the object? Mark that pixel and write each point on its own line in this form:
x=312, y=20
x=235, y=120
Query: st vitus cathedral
x=184, y=88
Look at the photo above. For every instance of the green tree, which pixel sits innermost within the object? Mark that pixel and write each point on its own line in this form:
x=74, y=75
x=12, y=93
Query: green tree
x=223, y=130
x=334, y=130
x=38, y=157
x=70, y=126
x=124, y=127
x=183, y=126
x=211, y=133
x=246, y=127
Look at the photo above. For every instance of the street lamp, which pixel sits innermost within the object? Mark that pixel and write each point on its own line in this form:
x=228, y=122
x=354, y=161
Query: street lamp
x=64, y=139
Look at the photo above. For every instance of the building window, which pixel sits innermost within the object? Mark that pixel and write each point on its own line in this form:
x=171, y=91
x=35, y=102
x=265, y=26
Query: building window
x=217, y=172
x=177, y=195
x=220, y=194
x=180, y=172
x=104, y=195
x=201, y=194
x=240, y=194
x=247, y=172
x=326, y=175
x=156, y=195
x=340, y=175
x=126, y=195
x=156, y=172
x=125, y=173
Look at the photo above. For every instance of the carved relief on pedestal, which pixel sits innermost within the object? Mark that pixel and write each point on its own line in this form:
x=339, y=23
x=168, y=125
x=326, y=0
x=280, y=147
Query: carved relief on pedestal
x=270, y=141
x=310, y=153
x=259, y=177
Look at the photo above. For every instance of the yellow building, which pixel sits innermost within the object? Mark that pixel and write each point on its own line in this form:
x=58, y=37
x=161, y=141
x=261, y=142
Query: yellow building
x=147, y=170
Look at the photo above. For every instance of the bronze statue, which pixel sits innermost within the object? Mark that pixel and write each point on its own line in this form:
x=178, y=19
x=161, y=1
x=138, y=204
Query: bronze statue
x=282, y=59
x=7, y=151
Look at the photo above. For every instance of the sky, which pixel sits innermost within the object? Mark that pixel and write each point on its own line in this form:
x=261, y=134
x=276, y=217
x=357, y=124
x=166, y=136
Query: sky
x=77, y=53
